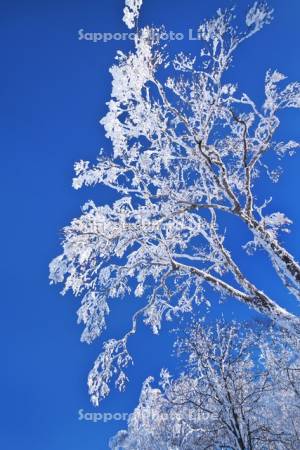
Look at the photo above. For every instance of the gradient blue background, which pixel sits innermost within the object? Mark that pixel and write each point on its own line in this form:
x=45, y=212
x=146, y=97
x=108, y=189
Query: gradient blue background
x=53, y=91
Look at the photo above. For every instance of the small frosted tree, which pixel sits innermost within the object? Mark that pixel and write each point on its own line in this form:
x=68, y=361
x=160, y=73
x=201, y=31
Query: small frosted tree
x=187, y=151
x=228, y=397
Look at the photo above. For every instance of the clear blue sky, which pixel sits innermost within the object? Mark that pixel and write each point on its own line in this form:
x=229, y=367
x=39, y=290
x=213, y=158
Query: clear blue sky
x=53, y=91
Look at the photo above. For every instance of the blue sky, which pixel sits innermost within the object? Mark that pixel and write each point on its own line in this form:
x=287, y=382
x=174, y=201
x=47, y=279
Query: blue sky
x=53, y=91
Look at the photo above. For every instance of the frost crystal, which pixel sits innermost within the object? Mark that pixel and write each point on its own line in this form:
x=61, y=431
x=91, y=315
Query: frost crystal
x=131, y=12
x=258, y=15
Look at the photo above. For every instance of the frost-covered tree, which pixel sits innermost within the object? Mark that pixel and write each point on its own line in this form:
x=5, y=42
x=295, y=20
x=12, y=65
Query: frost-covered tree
x=188, y=150
x=228, y=396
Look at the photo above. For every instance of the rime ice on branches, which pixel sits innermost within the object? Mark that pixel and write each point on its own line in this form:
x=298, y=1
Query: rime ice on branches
x=187, y=147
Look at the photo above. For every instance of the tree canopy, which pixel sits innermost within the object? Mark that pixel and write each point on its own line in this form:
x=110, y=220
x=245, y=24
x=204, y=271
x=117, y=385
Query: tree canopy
x=187, y=151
